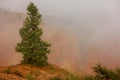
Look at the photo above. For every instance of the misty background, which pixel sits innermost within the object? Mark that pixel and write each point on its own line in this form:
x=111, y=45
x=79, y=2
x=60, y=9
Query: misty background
x=91, y=30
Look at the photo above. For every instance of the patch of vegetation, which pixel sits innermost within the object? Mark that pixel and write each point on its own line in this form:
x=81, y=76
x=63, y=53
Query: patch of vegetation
x=89, y=78
x=71, y=76
x=35, y=72
x=101, y=73
x=30, y=77
x=106, y=74
x=7, y=70
x=18, y=73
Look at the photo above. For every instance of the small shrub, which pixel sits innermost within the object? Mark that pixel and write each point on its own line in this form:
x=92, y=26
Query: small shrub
x=90, y=78
x=30, y=77
x=18, y=73
x=70, y=76
x=106, y=74
x=7, y=70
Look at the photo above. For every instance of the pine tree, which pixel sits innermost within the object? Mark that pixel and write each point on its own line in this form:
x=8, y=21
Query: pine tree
x=32, y=47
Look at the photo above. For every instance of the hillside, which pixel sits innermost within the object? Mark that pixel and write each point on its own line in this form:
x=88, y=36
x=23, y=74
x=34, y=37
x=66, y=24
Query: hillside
x=27, y=72
x=67, y=50
x=53, y=72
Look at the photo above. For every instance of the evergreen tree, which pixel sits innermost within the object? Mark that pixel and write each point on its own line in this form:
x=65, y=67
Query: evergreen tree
x=32, y=47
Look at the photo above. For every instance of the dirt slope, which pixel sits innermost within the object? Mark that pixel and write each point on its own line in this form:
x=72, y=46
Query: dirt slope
x=28, y=72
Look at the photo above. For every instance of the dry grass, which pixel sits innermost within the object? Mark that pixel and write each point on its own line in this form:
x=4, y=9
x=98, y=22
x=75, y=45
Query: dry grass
x=25, y=71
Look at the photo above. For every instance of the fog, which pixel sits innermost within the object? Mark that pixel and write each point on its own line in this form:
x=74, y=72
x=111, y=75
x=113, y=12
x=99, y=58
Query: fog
x=91, y=28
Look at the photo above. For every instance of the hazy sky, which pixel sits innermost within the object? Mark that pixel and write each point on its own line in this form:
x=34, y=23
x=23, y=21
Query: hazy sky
x=87, y=17
x=69, y=9
x=85, y=13
x=93, y=19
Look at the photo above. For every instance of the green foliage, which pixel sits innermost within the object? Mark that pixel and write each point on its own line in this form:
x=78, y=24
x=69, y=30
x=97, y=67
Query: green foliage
x=17, y=73
x=33, y=48
x=101, y=73
x=30, y=77
x=106, y=74
x=89, y=78
x=70, y=76
x=7, y=70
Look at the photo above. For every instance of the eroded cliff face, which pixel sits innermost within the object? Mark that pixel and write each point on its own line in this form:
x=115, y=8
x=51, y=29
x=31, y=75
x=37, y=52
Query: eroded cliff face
x=68, y=49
